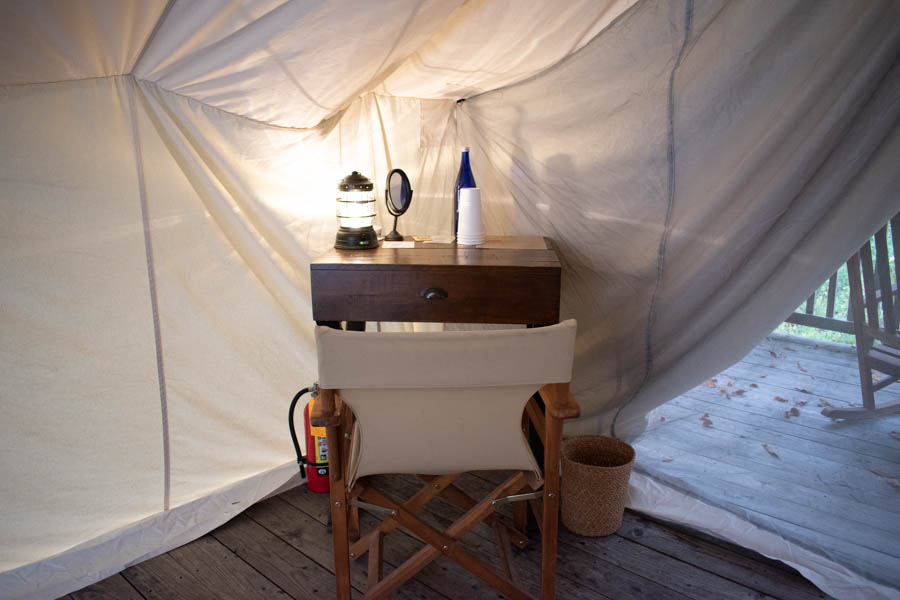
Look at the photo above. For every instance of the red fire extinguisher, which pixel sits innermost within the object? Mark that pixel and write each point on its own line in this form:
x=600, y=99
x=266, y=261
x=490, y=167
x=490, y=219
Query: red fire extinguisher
x=314, y=466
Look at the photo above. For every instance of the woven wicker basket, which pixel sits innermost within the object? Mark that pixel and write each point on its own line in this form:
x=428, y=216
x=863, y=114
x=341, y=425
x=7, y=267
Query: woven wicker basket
x=595, y=472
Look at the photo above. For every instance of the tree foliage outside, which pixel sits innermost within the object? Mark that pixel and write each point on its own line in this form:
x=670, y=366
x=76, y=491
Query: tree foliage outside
x=841, y=305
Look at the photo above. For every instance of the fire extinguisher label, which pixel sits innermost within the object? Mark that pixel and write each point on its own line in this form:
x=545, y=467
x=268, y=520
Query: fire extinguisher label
x=321, y=450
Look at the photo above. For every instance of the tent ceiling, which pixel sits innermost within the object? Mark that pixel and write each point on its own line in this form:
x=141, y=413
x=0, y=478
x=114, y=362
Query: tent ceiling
x=55, y=40
x=294, y=64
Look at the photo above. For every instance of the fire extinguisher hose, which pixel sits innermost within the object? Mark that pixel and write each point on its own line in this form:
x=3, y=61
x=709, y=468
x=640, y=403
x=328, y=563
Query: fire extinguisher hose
x=301, y=460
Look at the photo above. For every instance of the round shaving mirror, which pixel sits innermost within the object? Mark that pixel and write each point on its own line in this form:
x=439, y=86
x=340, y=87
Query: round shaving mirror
x=398, y=196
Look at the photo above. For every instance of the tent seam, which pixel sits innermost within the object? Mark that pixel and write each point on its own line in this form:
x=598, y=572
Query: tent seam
x=233, y=114
x=154, y=304
x=564, y=59
x=152, y=36
x=670, y=204
x=58, y=81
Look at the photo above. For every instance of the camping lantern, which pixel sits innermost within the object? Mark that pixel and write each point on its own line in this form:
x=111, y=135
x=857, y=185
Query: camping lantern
x=355, y=213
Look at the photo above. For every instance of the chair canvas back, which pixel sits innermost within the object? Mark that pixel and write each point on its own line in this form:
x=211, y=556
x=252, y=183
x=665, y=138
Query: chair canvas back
x=442, y=402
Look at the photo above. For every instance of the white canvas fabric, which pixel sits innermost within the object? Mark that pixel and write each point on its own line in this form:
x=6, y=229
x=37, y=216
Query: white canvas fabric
x=168, y=171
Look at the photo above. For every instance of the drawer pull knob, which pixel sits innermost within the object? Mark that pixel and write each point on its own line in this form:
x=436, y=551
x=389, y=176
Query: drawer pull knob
x=433, y=293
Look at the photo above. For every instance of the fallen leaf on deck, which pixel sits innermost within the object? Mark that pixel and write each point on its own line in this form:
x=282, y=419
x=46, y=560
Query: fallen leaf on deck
x=791, y=413
x=780, y=399
x=891, y=480
x=753, y=385
x=800, y=403
x=738, y=392
x=711, y=383
x=661, y=419
x=770, y=451
x=707, y=423
x=667, y=459
x=789, y=349
x=803, y=390
x=876, y=377
x=800, y=367
x=896, y=435
x=779, y=355
x=823, y=403
x=721, y=389
x=730, y=383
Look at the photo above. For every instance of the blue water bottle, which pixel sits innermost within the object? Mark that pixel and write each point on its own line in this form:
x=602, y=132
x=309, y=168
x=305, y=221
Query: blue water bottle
x=465, y=179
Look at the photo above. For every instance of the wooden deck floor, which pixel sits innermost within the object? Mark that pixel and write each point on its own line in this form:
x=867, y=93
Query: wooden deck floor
x=280, y=549
x=753, y=440
x=802, y=471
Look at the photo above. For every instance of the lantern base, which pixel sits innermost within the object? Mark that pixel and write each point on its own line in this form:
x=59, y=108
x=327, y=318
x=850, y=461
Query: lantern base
x=362, y=238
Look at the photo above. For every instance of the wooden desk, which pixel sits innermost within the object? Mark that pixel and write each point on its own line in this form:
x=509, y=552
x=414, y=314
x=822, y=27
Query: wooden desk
x=504, y=280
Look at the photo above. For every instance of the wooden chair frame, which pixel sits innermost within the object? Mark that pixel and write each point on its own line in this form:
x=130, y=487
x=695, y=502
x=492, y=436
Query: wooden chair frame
x=331, y=413
x=875, y=306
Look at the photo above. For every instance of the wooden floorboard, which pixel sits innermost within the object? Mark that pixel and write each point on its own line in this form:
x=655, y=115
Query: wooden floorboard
x=748, y=569
x=111, y=588
x=753, y=440
x=279, y=548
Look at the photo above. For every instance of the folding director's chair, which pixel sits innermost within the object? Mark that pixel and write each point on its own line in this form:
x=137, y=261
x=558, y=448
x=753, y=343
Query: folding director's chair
x=437, y=405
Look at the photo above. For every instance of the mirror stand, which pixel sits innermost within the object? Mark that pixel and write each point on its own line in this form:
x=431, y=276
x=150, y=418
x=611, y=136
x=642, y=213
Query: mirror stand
x=393, y=236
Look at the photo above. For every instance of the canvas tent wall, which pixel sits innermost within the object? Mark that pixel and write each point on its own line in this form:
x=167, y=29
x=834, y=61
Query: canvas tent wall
x=168, y=170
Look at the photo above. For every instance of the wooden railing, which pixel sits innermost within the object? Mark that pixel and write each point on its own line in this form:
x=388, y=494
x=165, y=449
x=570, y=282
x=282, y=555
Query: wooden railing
x=843, y=322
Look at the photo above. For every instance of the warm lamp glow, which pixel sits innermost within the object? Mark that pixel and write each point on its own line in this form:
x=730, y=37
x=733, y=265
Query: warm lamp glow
x=355, y=210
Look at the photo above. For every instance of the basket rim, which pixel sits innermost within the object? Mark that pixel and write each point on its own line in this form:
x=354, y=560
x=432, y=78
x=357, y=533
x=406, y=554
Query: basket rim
x=626, y=449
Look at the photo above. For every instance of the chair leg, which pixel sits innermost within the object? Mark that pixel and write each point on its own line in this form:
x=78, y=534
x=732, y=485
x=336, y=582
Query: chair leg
x=857, y=304
x=520, y=511
x=520, y=517
x=551, y=506
x=353, y=524
x=376, y=561
x=339, y=515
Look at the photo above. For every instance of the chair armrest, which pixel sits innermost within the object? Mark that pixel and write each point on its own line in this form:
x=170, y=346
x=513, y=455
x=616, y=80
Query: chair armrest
x=324, y=412
x=559, y=401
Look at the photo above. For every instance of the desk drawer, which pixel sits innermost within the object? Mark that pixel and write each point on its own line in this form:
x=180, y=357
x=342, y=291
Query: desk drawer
x=473, y=294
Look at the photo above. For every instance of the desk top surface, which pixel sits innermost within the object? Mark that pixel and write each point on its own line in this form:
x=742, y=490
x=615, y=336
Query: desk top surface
x=497, y=251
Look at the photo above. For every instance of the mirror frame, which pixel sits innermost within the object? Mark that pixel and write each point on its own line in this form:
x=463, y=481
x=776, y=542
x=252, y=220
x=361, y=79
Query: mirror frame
x=394, y=236
x=388, y=196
